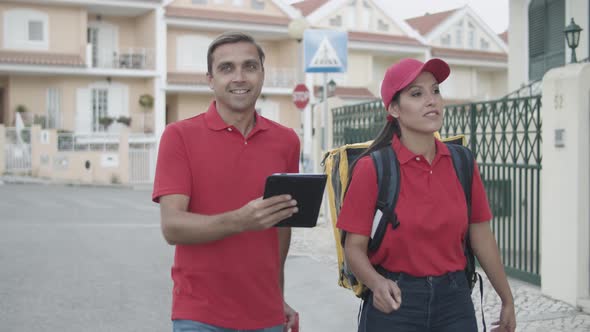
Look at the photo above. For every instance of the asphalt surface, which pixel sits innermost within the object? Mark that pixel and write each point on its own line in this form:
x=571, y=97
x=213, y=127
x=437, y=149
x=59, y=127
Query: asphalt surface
x=93, y=259
x=90, y=259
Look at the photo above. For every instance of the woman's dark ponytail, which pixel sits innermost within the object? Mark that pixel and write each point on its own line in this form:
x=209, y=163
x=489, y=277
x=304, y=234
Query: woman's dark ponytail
x=384, y=138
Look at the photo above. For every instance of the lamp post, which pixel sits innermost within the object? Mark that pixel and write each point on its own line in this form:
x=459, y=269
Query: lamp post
x=572, y=35
x=296, y=29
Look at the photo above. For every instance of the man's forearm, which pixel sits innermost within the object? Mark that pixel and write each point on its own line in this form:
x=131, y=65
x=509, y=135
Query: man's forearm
x=180, y=227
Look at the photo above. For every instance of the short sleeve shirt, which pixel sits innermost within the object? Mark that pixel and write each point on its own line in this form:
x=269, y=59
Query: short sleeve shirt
x=232, y=282
x=431, y=209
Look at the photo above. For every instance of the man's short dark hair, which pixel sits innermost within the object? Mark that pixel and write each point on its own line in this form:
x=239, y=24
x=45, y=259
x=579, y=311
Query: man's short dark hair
x=232, y=37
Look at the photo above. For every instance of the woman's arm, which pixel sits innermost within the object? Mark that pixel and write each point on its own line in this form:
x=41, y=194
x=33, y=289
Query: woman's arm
x=387, y=296
x=486, y=250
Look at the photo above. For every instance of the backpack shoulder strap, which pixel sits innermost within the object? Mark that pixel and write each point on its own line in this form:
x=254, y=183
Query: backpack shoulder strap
x=388, y=181
x=463, y=162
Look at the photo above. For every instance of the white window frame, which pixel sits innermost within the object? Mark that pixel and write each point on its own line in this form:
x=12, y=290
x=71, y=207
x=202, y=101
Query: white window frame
x=194, y=45
x=471, y=35
x=52, y=113
x=16, y=29
x=445, y=40
x=351, y=17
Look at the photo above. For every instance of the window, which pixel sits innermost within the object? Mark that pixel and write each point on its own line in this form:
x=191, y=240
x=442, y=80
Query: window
x=52, y=119
x=546, y=40
x=366, y=14
x=219, y=2
x=459, y=36
x=99, y=109
x=471, y=36
x=258, y=4
x=446, y=40
x=36, y=31
x=238, y=3
x=382, y=26
x=199, y=2
x=190, y=53
x=26, y=29
x=350, y=17
x=484, y=44
x=336, y=21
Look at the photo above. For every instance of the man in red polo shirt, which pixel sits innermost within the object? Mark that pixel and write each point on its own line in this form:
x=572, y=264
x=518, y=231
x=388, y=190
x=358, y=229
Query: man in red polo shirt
x=210, y=176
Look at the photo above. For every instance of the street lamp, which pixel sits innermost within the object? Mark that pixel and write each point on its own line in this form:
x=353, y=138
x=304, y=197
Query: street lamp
x=331, y=88
x=572, y=35
x=297, y=27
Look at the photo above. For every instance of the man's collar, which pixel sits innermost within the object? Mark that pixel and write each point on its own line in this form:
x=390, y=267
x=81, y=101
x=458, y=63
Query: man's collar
x=215, y=122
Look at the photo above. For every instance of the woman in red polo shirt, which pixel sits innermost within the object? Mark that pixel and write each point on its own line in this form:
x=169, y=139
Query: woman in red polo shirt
x=416, y=278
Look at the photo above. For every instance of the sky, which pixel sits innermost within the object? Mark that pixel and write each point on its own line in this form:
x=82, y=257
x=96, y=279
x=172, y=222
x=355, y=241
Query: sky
x=493, y=12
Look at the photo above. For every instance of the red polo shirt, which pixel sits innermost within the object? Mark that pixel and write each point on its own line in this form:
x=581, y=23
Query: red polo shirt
x=431, y=209
x=232, y=282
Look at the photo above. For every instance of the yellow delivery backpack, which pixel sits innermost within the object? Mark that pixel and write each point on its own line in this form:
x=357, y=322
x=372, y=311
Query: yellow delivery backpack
x=337, y=164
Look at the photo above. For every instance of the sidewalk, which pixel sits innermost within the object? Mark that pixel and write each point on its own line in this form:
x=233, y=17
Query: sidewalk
x=534, y=312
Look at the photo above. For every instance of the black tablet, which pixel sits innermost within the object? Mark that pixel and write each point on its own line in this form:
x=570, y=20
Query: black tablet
x=307, y=189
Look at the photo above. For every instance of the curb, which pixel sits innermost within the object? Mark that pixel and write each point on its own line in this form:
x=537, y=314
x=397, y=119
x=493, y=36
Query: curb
x=24, y=180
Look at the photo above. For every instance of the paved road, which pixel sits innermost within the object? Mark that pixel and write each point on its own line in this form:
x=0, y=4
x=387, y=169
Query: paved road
x=93, y=259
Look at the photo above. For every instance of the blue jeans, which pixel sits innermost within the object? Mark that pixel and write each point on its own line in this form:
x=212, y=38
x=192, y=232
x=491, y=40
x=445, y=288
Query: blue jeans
x=181, y=325
x=429, y=304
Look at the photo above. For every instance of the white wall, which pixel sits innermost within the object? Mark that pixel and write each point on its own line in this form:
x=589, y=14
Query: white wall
x=518, y=68
x=565, y=251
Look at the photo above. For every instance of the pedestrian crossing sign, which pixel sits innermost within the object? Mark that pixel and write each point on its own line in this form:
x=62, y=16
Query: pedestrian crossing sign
x=326, y=51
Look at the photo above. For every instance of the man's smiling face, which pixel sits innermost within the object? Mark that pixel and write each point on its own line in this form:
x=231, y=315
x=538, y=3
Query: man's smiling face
x=236, y=76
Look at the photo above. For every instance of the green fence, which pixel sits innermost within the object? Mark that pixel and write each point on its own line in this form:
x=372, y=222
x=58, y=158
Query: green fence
x=505, y=136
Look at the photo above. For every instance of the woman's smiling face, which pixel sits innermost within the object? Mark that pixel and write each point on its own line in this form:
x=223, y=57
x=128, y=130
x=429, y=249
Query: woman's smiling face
x=419, y=108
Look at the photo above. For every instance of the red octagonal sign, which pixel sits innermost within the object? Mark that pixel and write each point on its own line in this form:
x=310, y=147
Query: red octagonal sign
x=300, y=96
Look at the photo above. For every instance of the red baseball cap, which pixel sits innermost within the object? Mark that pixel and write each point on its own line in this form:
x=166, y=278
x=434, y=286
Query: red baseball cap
x=405, y=71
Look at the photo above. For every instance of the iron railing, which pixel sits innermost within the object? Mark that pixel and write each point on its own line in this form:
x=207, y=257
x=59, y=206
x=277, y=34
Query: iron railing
x=505, y=136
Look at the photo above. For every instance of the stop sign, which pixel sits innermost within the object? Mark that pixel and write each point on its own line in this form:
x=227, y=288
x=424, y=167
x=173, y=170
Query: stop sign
x=300, y=96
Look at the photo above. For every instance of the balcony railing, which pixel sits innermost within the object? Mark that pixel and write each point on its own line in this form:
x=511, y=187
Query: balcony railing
x=124, y=58
x=279, y=77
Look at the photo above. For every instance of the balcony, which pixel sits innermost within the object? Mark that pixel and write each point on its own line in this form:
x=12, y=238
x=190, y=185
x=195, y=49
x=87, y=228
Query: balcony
x=280, y=77
x=137, y=58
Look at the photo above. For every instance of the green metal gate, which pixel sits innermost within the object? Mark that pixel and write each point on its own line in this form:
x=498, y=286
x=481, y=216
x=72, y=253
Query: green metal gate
x=505, y=136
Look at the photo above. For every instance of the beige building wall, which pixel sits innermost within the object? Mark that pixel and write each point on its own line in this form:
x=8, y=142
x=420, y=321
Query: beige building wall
x=172, y=40
x=62, y=37
x=290, y=116
x=289, y=54
x=359, y=71
x=189, y=105
x=145, y=31
x=130, y=30
x=32, y=92
x=229, y=5
x=459, y=85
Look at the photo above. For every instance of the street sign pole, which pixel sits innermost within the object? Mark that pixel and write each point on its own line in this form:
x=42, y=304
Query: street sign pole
x=326, y=110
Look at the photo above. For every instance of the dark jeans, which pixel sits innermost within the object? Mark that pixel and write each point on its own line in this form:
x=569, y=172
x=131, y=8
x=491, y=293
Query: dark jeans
x=429, y=304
